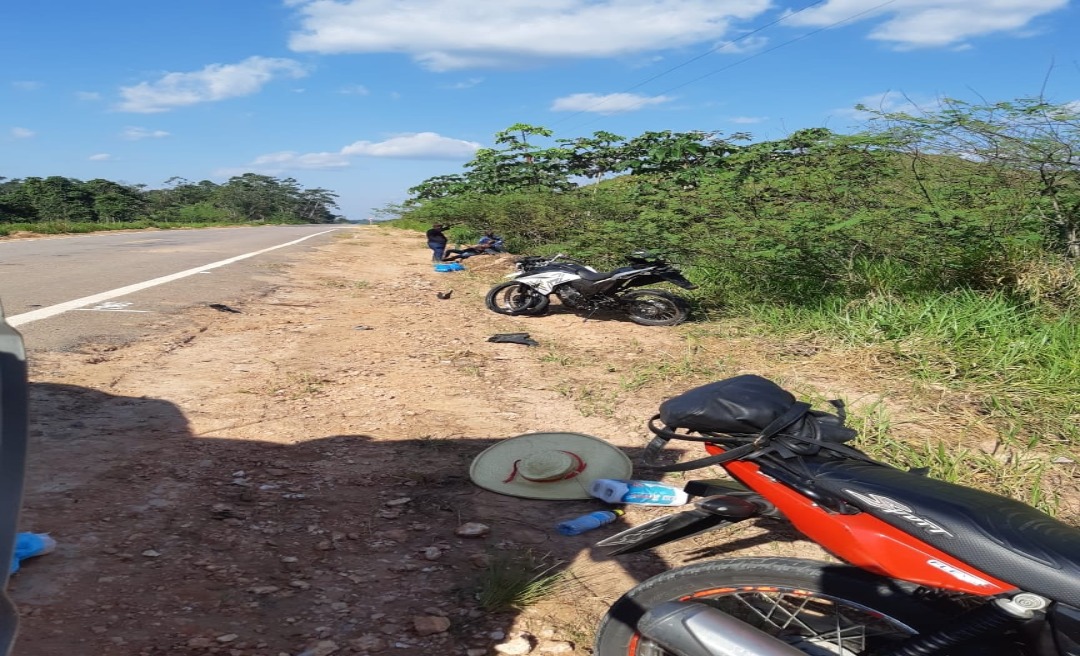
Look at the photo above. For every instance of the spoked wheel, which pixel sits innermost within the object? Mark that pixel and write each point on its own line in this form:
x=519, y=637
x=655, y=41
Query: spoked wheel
x=652, y=307
x=817, y=608
x=514, y=298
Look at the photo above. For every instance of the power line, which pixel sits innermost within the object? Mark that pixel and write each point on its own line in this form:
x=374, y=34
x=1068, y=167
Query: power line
x=708, y=52
x=754, y=56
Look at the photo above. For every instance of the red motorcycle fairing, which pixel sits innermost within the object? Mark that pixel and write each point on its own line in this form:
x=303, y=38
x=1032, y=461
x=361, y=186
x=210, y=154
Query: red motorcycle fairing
x=866, y=541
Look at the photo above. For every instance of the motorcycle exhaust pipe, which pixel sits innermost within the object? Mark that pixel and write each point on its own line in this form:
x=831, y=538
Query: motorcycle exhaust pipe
x=692, y=629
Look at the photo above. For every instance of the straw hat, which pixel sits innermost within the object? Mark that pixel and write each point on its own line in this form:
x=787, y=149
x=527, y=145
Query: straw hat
x=548, y=465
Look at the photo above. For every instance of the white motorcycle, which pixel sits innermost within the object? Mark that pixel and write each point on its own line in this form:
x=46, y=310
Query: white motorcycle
x=582, y=288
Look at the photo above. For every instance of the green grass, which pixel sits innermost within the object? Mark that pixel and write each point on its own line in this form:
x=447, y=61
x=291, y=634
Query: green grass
x=1012, y=471
x=1022, y=364
x=514, y=580
x=692, y=364
x=588, y=400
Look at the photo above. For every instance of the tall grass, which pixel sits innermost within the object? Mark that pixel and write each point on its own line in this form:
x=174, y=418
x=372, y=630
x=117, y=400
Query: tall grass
x=1022, y=363
x=517, y=579
x=1012, y=471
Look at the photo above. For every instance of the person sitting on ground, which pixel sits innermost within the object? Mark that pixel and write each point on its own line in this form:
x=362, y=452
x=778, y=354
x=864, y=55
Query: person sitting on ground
x=454, y=254
x=489, y=243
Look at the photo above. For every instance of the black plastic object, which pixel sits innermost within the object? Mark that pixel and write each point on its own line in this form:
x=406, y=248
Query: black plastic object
x=752, y=405
x=712, y=486
x=514, y=338
x=13, y=428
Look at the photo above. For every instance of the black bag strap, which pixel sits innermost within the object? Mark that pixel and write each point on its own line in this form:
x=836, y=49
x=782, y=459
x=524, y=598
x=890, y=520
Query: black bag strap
x=759, y=442
x=658, y=443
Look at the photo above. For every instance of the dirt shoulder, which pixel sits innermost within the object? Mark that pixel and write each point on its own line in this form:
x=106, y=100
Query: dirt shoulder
x=292, y=475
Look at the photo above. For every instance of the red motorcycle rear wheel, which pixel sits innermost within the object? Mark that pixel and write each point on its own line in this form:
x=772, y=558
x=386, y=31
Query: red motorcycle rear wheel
x=819, y=608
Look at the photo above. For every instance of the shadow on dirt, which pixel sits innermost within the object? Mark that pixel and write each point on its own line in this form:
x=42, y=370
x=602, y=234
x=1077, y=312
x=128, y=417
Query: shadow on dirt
x=172, y=544
x=558, y=309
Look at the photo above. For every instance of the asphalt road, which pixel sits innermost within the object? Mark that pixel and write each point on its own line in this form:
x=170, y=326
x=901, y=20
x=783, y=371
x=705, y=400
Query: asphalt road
x=108, y=288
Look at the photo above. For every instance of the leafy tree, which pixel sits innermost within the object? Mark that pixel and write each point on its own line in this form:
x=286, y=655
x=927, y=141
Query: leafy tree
x=595, y=157
x=113, y=202
x=15, y=205
x=1027, y=144
x=314, y=206
x=58, y=198
x=440, y=186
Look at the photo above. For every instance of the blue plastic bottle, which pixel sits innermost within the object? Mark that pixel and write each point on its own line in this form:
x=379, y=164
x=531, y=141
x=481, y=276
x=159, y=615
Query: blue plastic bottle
x=588, y=522
x=644, y=493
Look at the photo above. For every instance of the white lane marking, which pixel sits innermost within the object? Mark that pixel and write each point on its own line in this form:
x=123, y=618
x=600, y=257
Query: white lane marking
x=112, y=306
x=60, y=308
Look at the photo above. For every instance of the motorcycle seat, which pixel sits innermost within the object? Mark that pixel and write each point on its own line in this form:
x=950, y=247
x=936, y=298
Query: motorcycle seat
x=594, y=276
x=1002, y=537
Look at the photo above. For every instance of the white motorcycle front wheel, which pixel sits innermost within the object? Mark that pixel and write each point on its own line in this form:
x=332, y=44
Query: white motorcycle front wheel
x=514, y=298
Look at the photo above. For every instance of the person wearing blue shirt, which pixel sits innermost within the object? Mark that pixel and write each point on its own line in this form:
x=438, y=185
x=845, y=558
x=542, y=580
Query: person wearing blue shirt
x=489, y=243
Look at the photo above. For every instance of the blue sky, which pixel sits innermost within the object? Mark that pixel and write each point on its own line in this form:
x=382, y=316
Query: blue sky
x=369, y=97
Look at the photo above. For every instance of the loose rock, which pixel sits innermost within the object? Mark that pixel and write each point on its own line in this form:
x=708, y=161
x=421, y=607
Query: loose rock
x=472, y=530
x=368, y=642
x=555, y=647
x=426, y=625
x=322, y=648
x=518, y=646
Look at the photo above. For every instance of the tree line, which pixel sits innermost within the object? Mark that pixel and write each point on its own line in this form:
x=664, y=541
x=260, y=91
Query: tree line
x=247, y=198
x=963, y=195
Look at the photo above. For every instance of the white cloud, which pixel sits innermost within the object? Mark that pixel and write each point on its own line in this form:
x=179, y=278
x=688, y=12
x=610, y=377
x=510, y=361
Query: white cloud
x=212, y=83
x=287, y=159
x=465, y=84
x=912, y=24
x=749, y=44
x=100, y=157
x=419, y=145
x=612, y=103
x=88, y=95
x=354, y=90
x=748, y=120
x=22, y=133
x=27, y=85
x=135, y=134
x=454, y=34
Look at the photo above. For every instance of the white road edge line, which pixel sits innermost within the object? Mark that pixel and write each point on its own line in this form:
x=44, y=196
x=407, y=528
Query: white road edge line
x=60, y=308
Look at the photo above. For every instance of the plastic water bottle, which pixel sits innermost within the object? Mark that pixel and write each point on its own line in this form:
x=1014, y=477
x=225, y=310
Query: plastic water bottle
x=643, y=493
x=588, y=522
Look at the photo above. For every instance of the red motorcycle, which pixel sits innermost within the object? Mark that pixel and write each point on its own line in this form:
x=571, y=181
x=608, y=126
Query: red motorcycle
x=927, y=567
